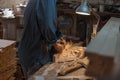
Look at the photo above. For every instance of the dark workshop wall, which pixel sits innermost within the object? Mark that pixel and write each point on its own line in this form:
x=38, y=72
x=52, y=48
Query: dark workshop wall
x=10, y=3
x=99, y=1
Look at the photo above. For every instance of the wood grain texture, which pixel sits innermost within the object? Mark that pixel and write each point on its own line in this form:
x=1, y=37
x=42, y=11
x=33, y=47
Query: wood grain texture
x=104, y=53
x=5, y=43
x=50, y=72
x=107, y=40
x=8, y=61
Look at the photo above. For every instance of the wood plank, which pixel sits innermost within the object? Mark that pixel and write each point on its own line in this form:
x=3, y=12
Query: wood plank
x=5, y=43
x=107, y=41
x=8, y=61
x=104, y=53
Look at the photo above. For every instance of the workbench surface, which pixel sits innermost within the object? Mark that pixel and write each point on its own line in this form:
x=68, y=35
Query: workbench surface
x=50, y=72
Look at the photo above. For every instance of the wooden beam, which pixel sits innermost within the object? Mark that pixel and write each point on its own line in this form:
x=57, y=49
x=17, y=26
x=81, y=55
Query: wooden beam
x=107, y=40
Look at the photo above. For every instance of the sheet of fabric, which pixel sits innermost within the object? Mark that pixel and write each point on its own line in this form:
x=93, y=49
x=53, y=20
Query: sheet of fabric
x=40, y=32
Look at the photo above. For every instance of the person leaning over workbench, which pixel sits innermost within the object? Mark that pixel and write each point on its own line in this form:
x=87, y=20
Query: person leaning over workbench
x=39, y=34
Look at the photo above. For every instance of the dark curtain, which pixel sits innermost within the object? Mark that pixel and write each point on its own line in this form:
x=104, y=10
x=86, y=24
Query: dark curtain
x=40, y=32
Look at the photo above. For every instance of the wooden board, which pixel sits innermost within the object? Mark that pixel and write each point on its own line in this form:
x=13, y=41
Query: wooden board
x=104, y=52
x=5, y=43
x=107, y=41
x=8, y=61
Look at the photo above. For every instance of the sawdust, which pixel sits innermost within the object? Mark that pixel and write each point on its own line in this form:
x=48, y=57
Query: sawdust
x=70, y=52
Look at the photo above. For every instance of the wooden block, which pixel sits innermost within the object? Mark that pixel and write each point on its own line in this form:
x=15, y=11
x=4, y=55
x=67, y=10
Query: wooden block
x=6, y=43
x=8, y=61
x=104, y=50
x=107, y=41
x=99, y=65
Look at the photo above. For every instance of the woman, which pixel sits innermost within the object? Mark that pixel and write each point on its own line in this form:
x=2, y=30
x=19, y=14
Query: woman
x=40, y=32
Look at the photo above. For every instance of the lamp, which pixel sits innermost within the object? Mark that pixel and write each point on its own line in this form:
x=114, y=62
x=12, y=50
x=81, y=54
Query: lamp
x=86, y=9
x=83, y=8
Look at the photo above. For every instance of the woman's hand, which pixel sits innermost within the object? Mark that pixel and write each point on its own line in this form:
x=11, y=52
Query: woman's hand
x=60, y=45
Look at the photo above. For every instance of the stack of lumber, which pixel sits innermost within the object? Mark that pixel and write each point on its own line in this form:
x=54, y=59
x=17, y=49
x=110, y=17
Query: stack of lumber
x=8, y=61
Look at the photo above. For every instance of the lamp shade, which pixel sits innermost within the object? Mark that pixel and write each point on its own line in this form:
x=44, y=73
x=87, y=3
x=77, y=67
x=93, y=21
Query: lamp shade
x=83, y=8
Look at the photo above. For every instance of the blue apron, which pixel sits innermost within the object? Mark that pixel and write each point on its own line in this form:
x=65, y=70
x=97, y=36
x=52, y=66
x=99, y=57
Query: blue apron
x=40, y=32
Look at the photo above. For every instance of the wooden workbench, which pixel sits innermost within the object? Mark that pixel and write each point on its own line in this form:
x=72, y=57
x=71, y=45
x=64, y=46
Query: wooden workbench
x=50, y=72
